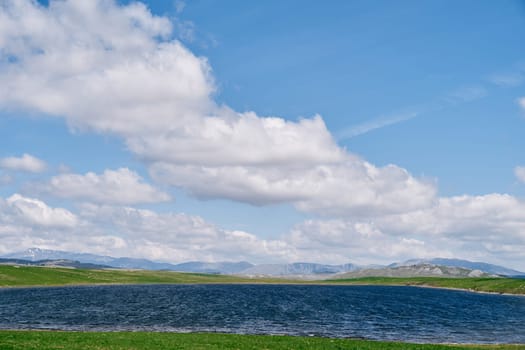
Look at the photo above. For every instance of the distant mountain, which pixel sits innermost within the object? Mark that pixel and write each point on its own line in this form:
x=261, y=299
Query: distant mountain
x=488, y=268
x=416, y=270
x=422, y=267
x=37, y=254
x=53, y=263
x=297, y=269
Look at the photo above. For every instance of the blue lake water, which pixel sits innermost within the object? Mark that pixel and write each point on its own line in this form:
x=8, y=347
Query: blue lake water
x=371, y=312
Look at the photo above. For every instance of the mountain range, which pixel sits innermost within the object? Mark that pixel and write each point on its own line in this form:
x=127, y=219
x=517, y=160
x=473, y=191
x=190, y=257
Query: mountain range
x=488, y=268
x=418, y=270
x=414, y=267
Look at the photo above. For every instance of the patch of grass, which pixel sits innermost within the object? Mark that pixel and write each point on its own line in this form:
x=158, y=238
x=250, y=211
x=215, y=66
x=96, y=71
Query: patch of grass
x=43, y=340
x=18, y=276
x=491, y=285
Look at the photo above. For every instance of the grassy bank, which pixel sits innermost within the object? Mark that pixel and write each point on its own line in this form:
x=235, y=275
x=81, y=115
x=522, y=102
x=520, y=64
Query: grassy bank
x=490, y=285
x=19, y=276
x=18, y=340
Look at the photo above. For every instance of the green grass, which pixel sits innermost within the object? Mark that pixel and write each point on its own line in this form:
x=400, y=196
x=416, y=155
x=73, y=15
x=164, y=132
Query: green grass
x=491, y=285
x=28, y=340
x=19, y=276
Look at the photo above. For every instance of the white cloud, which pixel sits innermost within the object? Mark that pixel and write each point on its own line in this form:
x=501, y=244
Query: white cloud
x=182, y=237
x=33, y=212
x=474, y=217
x=341, y=241
x=121, y=186
x=490, y=226
x=487, y=228
x=353, y=187
x=519, y=171
x=99, y=65
x=242, y=139
x=26, y=162
x=114, y=69
x=125, y=231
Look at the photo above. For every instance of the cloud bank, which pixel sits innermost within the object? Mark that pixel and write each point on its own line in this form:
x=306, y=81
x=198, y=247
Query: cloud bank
x=117, y=69
x=489, y=228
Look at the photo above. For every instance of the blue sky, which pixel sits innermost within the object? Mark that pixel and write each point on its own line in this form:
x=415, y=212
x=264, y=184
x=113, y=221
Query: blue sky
x=356, y=131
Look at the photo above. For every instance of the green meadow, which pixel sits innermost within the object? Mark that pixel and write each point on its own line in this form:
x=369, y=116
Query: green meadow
x=21, y=276
x=488, y=285
x=43, y=340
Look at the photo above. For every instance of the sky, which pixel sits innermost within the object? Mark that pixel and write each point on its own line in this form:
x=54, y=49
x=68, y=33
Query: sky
x=279, y=131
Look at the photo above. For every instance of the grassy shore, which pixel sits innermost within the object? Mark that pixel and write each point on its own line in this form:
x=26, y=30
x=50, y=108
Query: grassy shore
x=41, y=340
x=488, y=285
x=20, y=276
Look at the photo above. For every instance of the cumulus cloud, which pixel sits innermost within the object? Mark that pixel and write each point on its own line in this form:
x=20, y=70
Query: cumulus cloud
x=33, y=212
x=341, y=241
x=116, y=69
x=489, y=228
x=99, y=65
x=125, y=231
x=353, y=187
x=182, y=237
x=26, y=163
x=121, y=186
x=495, y=215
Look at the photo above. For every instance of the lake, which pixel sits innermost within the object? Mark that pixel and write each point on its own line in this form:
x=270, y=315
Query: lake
x=372, y=312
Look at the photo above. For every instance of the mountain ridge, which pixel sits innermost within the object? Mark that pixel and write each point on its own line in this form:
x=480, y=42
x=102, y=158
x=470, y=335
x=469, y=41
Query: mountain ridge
x=419, y=267
x=473, y=265
x=417, y=270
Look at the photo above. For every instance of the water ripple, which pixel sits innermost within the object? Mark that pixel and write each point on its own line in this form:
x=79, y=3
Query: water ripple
x=371, y=312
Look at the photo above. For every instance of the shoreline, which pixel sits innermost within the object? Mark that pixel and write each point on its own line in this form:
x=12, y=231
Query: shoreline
x=41, y=277
x=298, y=283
